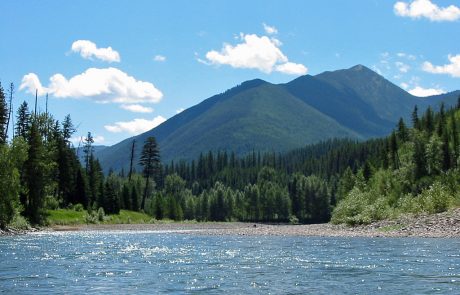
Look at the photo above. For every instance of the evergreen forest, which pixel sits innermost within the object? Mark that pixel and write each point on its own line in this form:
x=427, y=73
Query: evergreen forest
x=413, y=170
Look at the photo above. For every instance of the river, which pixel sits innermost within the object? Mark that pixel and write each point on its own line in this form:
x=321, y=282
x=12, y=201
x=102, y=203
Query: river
x=130, y=262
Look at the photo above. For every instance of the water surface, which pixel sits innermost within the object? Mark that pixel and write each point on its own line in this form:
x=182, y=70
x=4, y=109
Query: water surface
x=175, y=263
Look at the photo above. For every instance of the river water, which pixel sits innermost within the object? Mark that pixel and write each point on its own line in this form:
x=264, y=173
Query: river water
x=177, y=263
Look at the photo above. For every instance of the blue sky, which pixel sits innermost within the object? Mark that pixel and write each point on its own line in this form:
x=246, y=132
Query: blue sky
x=121, y=67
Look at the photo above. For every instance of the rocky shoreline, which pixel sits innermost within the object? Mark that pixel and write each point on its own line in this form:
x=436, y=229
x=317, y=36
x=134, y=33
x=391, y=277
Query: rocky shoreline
x=442, y=225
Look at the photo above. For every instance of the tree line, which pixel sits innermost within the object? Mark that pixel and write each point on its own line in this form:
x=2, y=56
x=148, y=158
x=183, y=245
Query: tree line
x=415, y=169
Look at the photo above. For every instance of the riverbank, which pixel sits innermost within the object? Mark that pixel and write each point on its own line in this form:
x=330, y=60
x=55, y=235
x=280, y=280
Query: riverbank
x=442, y=225
x=14, y=231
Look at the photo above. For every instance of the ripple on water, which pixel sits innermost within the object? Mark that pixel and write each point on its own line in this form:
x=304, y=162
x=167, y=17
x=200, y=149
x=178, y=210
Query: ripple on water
x=146, y=262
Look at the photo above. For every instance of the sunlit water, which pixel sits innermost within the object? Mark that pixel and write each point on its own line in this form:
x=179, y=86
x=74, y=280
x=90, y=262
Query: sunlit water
x=174, y=263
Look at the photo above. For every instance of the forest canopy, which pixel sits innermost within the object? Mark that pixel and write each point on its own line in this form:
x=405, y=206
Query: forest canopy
x=413, y=170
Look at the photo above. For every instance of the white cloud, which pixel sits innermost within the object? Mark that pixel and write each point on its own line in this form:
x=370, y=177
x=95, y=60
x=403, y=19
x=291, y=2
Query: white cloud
x=292, y=68
x=425, y=8
x=261, y=53
x=101, y=85
x=452, y=69
x=98, y=139
x=270, y=29
x=89, y=50
x=136, y=126
x=404, y=85
x=179, y=110
x=422, y=92
x=159, y=58
x=402, y=67
x=32, y=83
x=136, y=108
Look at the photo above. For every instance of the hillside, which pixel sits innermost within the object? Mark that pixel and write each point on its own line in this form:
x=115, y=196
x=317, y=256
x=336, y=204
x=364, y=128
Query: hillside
x=256, y=115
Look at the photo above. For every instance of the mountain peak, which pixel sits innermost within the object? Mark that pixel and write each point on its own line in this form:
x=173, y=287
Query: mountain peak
x=253, y=83
x=359, y=67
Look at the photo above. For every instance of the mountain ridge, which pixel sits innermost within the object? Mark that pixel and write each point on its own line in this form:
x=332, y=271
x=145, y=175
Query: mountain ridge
x=258, y=115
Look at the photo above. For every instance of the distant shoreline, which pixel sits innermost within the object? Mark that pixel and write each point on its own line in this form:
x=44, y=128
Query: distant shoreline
x=442, y=225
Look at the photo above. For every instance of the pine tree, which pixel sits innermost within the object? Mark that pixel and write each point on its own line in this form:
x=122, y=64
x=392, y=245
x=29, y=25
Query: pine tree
x=403, y=134
x=134, y=199
x=446, y=155
x=23, y=120
x=159, y=207
x=150, y=161
x=131, y=160
x=4, y=111
x=415, y=118
x=126, y=197
x=81, y=189
x=95, y=182
x=293, y=188
x=394, y=151
x=68, y=129
x=88, y=150
x=455, y=139
x=10, y=111
x=441, y=121
x=10, y=186
x=67, y=166
x=367, y=171
x=35, y=176
x=429, y=120
x=111, y=201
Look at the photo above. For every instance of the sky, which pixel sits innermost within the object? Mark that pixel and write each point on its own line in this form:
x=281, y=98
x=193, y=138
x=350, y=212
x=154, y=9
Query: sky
x=120, y=68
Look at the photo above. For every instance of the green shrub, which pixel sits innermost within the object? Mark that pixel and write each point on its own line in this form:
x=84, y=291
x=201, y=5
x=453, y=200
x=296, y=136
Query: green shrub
x=350, y=209
x=436, y=199
x=293, y=219
x=100, y=214
x=51, y=203
x=78, y=207
x=91, y=217
x=19, y=222
x=409, y=204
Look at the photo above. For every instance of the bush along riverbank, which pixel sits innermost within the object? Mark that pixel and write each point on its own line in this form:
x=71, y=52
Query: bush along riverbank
x=440, y=225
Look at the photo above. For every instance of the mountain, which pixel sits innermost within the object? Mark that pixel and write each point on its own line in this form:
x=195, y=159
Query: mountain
x=257, y=115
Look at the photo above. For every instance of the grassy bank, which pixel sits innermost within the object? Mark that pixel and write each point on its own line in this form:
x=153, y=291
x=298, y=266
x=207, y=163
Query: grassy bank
x=74, y=217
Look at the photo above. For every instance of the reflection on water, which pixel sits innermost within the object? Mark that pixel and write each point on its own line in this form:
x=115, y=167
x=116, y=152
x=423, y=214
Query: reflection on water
x=170, y=262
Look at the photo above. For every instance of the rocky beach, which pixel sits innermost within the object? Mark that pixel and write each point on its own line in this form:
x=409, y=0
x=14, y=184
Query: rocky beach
x=441, y=225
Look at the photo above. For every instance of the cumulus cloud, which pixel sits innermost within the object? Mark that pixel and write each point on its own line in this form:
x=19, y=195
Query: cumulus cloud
x=452, y=69
x=178, y=111
x=136, y=108
x=291, y=68
x=32, y=83
x=270, y=29
x=254, y=52
x=423, y=92
x=159, y=58
x=89, y=50
x=100, y=85
x=136, y=126
x=425, y=8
